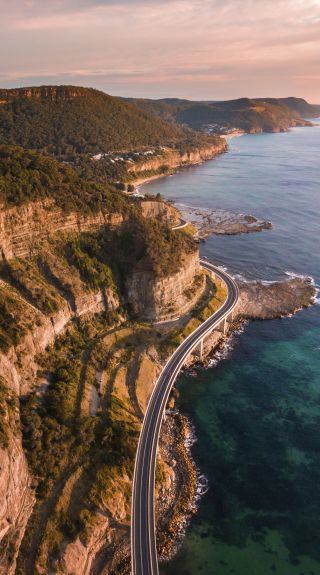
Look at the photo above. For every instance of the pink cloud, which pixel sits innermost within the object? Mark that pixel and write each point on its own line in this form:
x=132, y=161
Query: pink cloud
x=223, y=48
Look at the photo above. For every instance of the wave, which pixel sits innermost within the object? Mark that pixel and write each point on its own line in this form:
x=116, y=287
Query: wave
x=192, y=207
x=311, y=280
x=241, y=278
x=224, y=351
x=202, y=486
x=301, y=276
x=202, y=482
x=316, y=299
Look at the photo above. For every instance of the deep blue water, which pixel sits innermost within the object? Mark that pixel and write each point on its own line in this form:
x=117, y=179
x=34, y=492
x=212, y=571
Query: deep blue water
x=257, y=413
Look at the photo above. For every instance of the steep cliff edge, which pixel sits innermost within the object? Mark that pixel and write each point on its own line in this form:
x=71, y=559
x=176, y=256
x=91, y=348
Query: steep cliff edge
x=18, y=372
x=166, y=298
x=168, y=160
x=16, y=494
x=23, y=228
x=161, y=210
x=62, y=271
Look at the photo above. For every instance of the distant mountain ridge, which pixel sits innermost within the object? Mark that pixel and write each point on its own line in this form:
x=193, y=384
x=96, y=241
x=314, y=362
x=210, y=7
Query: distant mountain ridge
x=298, y=105
x=249, y=115
x=52, y=93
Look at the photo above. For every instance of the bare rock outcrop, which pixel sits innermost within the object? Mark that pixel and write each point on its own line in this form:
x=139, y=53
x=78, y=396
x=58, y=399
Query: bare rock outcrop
x=161, y=211
x=159, y=299
x=222, y=222
x=268, y=300
x=16, y=494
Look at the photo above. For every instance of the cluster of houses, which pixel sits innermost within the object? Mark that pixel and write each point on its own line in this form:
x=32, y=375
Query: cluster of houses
x=218, y=129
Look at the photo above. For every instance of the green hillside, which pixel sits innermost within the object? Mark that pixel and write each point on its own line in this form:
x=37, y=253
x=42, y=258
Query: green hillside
x=67, y=121
x=297, y=105
x=267, y=115
x=28, y=176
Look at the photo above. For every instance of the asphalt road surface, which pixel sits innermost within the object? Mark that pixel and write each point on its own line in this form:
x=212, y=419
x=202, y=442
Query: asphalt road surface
x=143, y=534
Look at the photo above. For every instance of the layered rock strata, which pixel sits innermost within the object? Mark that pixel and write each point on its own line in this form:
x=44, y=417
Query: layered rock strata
x=23, y=228
x=159, y=299
x=171, y=159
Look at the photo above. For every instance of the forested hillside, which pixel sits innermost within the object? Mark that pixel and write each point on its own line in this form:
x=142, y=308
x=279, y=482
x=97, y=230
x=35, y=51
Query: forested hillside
x=28, y=176
x=66, y=121
x=264, y=114
x=297, y=105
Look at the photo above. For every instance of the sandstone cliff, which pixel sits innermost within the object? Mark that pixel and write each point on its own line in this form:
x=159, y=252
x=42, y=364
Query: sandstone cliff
x=16, y=494
x=18, y=370
x=43, y=292
x=160, y=210
x=23, y=228
x=171, y=159
x=166, y=298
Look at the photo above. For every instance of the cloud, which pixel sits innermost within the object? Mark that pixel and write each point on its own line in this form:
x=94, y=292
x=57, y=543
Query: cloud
x=216, y=48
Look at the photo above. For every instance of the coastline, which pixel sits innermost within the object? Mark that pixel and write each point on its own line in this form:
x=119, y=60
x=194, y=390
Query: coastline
x=214, y=356
x=188, y=160
x=217, y=349
x=139, y=181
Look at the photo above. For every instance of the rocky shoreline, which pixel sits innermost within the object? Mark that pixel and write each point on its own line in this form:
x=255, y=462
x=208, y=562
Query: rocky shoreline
x=221, y=222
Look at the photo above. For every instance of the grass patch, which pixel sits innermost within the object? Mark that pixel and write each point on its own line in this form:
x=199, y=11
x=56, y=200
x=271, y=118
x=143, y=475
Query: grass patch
x=26, y=277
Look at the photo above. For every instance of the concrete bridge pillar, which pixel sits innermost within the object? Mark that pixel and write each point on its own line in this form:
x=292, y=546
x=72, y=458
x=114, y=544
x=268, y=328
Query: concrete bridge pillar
x=224, y=326
x=201, y=349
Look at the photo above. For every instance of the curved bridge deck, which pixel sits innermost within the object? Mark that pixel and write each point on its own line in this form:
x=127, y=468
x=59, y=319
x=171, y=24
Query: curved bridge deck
x=143, y=536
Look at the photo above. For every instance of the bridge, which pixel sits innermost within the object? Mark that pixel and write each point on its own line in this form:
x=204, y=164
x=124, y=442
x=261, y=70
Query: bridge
x=143, y=530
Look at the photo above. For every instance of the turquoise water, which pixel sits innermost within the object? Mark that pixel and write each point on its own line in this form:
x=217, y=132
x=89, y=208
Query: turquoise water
x=257, y=413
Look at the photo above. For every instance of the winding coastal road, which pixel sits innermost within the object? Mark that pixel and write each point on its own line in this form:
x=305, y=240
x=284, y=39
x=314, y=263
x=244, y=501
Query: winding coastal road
x=143, y=536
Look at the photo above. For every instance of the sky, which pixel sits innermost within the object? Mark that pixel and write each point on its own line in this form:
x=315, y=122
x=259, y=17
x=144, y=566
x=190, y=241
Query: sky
x=196, y=49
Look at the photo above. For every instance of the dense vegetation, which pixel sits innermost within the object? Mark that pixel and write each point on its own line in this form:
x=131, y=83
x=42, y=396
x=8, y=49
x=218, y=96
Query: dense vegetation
x=25, y=276
x=297, y=105
x=86, y=254
x=66, y=121
x=266, y=114
x=149, y=245
x=14, y=323
x=110, y=256
x=98, y=451
x=28, y=176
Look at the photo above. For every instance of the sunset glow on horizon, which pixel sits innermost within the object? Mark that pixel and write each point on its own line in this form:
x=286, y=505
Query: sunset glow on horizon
x=196, y=49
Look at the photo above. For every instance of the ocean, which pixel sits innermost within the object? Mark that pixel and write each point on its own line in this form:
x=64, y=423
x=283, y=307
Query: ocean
x=257, y=411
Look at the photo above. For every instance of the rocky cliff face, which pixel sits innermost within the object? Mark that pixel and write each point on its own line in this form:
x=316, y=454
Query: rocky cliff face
x=42, y=93
x=22, y=229
x=16, y=494
x=161, y=211
x=18, y=369
x=166, y=298
x=24, y=232
x=172, y=159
